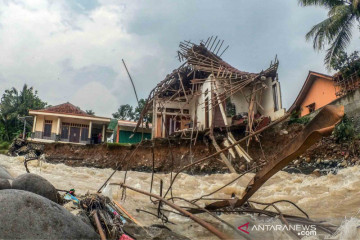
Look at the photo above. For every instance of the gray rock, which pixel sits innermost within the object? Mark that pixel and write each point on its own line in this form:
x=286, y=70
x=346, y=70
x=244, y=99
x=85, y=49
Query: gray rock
x=4, y=174
x=4, y=184
x=25, y=215
x=35, y=184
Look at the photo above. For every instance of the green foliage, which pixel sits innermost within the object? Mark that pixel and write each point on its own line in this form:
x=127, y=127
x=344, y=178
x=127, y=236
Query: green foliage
x=294, y=118
x=90, y=112
x=4, y=145
x=124, y=112
x=347, y=65
x=118, y=145
x=127, y=112
x=336, y=29
x=344, y=131
x=16, y=104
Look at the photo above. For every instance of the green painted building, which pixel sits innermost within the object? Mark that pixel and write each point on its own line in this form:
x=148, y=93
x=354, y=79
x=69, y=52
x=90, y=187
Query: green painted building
x=123, y=130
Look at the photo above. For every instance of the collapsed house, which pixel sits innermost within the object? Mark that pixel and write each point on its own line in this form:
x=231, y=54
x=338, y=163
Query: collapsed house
x=206, y=92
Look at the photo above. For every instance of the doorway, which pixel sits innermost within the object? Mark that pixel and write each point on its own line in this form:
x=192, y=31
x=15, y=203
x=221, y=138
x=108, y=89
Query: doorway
x=206, y=113
x=74, y=134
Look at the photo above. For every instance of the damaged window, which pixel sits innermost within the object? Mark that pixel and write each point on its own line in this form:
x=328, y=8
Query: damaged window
x=230, y=108
x=311, y=107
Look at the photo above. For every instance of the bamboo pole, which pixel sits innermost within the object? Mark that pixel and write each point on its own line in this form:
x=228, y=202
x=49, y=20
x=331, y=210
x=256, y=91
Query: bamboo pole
x=98, y=225
x=204, y=224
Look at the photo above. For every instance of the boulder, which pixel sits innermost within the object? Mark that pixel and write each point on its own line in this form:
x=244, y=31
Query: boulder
x=36, y=184
x=4, y=184
x=25, y=215
x=4, y=174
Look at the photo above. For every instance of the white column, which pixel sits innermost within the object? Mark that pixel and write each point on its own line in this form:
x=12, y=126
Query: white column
x=58, y=126
x=103, y=134
x=90, y=127
x=34, y=124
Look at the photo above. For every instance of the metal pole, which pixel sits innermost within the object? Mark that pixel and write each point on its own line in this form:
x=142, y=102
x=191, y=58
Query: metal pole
x=137, y=99
x=24, y=131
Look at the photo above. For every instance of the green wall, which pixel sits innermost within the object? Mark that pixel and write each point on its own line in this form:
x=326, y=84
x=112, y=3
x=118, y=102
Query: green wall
x=124, y=137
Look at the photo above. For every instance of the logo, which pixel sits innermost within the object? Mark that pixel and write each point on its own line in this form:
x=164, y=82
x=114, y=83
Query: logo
x=245, y=225
x=302, y=230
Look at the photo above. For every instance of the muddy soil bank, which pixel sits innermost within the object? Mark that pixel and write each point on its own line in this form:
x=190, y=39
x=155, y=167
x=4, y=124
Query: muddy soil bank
x=178, y=155
x=112, y=155
x=271, y=142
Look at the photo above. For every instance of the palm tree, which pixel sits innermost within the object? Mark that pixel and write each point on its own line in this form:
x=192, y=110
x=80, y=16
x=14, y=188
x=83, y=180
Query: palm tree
x=336, y=29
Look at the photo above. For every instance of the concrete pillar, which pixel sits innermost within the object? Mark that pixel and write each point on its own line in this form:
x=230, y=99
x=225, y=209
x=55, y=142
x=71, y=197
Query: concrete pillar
x=154, y=120
x=90, y=127
x=34, y=124
x=103, y=133
x=118, y=134
x=58, y=126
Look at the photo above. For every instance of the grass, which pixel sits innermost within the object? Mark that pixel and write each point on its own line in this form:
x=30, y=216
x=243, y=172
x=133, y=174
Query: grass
x=116, y=145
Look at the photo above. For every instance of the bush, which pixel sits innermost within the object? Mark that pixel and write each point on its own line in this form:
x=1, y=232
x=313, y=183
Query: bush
x=294, y=118
x=4, y=145
x=344, y=131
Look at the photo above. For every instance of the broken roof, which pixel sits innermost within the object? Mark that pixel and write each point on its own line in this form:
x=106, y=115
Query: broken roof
x=199, y=62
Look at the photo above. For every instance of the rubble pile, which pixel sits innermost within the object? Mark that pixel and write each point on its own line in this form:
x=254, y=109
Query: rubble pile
x=21, y=147
x=327, y=156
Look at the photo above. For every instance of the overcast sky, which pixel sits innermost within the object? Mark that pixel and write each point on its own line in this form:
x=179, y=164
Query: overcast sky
x=71, y=50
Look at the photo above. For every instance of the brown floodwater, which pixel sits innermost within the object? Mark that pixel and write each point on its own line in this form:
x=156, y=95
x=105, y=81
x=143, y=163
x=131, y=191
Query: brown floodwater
x=334, y=198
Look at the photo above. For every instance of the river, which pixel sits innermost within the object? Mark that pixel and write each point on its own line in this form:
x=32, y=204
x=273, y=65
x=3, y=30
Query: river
x=335, y=198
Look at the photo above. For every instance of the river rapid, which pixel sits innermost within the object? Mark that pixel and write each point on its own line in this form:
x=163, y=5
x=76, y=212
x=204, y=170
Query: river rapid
x=334, y=198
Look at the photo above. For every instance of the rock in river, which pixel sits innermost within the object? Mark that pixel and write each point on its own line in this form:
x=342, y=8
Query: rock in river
x=4, y=184
x=35, y=184
x=25, y=215
x=4, y=174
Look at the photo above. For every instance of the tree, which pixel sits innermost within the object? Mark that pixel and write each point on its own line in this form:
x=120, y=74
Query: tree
x=90, y=112
x=16, y=104
x=127, y=112
x=336, y=29
x=347, y=64
x=124, y=112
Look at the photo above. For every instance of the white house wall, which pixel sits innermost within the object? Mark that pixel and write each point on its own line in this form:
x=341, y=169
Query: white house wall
x=201, y=104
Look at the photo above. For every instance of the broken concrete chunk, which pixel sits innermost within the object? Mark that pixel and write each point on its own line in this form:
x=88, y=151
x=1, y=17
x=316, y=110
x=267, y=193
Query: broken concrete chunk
x=36, y=184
